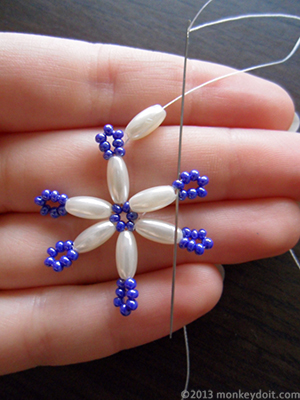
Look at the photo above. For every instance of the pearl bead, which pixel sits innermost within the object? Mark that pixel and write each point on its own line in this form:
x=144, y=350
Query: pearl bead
x=117, y=179
x=126, y=255
x=88, y=207
x=145, y=122
x=94, y=236
x=152, y=199
x=157, y=231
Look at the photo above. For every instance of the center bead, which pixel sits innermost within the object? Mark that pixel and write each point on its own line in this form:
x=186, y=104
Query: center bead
x=131, y=216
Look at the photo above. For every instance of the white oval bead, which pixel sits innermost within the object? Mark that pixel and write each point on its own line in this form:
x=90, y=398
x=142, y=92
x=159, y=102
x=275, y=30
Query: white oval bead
x=152, y=199
x=145, y=122
x=94, y=236
x=158, y=231
x=126, y=255
x=88, y=207
x=118, y=179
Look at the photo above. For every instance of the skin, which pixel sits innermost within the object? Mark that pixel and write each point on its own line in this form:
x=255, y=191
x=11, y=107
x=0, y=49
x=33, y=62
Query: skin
x=55, y=95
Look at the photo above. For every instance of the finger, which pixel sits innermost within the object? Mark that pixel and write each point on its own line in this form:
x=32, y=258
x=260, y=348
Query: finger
x=41, y=327
x=240, y=164
x=69, y=84
x=241, y=231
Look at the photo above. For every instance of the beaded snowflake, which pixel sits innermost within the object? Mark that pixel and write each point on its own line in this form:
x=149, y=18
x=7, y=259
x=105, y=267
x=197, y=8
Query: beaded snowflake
x=123, y=216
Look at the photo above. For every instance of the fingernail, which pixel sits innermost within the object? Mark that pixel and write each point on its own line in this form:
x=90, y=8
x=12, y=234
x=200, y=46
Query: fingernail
x=295, y=124
x=221, y=270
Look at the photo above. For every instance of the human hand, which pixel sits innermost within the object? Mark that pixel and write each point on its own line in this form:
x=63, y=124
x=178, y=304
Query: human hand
x=52, y=90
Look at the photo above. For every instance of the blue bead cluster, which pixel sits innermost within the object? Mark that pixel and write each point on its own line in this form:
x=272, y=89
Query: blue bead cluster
x=185, y=179
x=126, y=296
x=189, y=241
x=116, y=217
x=117, y=143
x=54, y=197
x=64, y=261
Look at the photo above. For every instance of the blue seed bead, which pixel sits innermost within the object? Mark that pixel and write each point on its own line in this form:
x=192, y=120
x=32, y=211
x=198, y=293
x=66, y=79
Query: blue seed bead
x=120, y=151
x=53, y=212
x=132, y=216
x=199, y=249
x=120, y=293
x=72, y=255
x=108, y=129
x=201, y=234
x=118, y=134
x=132, y=304
x=62, y=211
x=108, y=154
x=68, y=245
x=55, y=196
x=124, y=310
x=116, y=209
x=45, y=209
x=192, y=193
x=191, y=245
x=201, y=192
x=39, y=201
x=185, y=177
x=186, y=232
x=63, y=199
x=118, y=143
x=46, y=194
x=126, y=207
x=203, y=180
x=183, y=243
x=114, y=218
x=118, y=302
x=120, y=227
x=49, y=261
x=60, y=246
x=208, y=243
x=132, y=294
x=52, y=252
x=100, y=137
x=130, y=226
x=182, y=195
x=194, y=174
x=121, y=283
x=57, y=267
x=130, y=284
x=194, y=234
x=65, y=261
x=178, y=184
x=104, y=146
